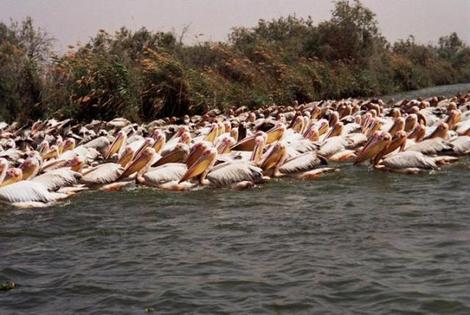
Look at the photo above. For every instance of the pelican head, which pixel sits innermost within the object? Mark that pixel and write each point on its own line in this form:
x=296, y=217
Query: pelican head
x=185, y=137
x=410, y=122
x=224, y=146
x=205, y=161
x=148, y=143
x=52, y=153
x=160, y=140
x=76, y=164
x=275, y=133
x=322, y=126
x=336, y=130
x=227, y=126
x=260, y=142
x=234, y=133
x=196, y=151
x=377, y=142
x=315, y=112
x=210, y=137
x=298, y=124
x=126, y=156
x=417, y=133
x=398, y=141
x=248, y=143
x=141, y=162
x=453, y=117
x=68, y=145
x=178, y=155
x=398, y=125
x=274, y=157
x=334, y=118
x=312, y=133
x=441, y=131
x=13, y=175
x=181, y=130
x=30, y=168
x=119, y=140
x=396, y=113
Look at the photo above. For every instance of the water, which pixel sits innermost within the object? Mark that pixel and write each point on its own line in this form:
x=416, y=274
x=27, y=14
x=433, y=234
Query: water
x=357, y=242
x=442, y=90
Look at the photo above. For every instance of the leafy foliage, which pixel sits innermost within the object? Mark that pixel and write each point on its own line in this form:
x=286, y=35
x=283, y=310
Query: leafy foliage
x=143, y=75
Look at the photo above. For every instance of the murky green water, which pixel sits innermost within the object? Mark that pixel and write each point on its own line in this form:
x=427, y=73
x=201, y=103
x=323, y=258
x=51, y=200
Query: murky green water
x=357, y=241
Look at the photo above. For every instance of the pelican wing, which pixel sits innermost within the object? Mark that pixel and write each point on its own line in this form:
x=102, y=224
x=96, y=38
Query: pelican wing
x=58, y=178
x=229, y=173
x=461, y=145
x=431, y=146
x=103, y=174
x=86, y=154
x=354, y=140
x=28, y=191
x=331, y=146
x=100, y=144
x=302, y=163
x=409, y=159
x=463, y=127
x=165, y=173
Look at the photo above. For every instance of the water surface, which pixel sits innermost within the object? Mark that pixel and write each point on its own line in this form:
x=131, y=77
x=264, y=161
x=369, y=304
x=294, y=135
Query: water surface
x=357, y=241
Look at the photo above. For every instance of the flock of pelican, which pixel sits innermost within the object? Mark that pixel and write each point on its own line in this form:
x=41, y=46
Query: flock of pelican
x=49, y=161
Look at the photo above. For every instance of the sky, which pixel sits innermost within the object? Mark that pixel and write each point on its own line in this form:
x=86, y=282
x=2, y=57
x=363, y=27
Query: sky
x=72, y=21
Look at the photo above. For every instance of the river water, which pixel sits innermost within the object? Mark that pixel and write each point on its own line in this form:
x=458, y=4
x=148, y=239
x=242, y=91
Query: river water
x=354, y=242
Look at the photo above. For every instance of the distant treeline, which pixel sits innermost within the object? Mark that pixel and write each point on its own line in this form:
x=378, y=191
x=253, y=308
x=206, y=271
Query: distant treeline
x=143, y=75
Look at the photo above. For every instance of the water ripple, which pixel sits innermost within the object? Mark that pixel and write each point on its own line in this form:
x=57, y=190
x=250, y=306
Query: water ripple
x=357, y=242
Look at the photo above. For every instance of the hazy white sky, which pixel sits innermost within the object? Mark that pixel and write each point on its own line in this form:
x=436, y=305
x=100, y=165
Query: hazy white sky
x=70, y=21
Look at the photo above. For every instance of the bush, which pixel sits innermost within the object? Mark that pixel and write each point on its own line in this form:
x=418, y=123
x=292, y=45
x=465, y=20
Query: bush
x=144, y=75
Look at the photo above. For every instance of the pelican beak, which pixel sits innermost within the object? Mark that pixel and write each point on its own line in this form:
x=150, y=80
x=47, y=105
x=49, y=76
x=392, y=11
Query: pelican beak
x=29, y=168
x=298, y=124
x=140, y=162
x=148, y=143
x=212, y=135
x=312, y=133
x=336, y=130
x=126, y=157
x=205, y=161
x=179, y=154
x=69, y=145
x=275, y=133
x=52, y=153
x=159, y=143
x=398, y=141
x=246, y=144
x=116, y=145
x=378, y=142
x=234, y=133
x=13, y=175
x=323, y=128
x=258, y=149
x=195, y=153
x=43, y=148
x=76, y=164
x=274, y=156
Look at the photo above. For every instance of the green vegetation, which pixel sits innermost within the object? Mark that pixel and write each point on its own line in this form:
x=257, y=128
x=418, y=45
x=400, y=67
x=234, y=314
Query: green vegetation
x=143, y=75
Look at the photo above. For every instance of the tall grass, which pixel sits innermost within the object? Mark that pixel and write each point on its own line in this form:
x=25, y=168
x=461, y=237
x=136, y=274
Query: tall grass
x=143, y=75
